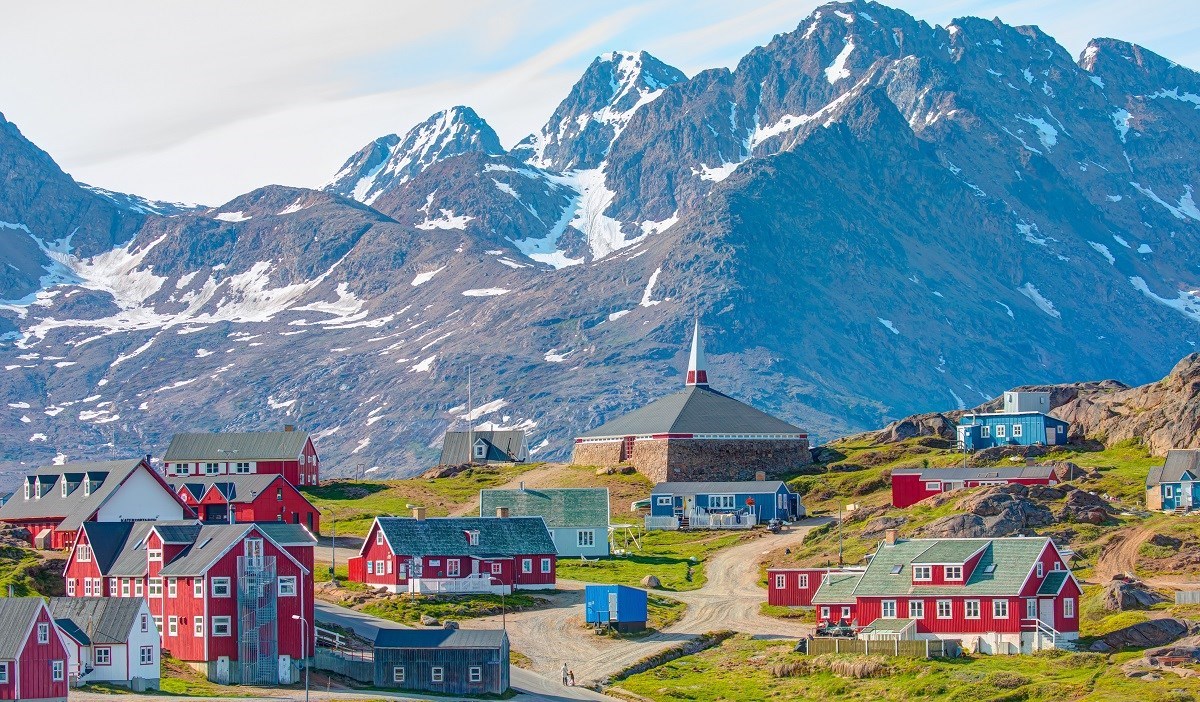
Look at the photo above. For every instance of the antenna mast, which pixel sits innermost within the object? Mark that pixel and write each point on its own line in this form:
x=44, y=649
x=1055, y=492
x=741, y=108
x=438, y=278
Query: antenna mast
x=470, y=422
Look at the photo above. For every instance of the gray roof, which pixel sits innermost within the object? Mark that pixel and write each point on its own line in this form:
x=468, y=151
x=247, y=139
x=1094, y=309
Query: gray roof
x=235, y=488
x=979, y=473
x=131, y=561
x=16, y=616
x=286, y=534
x=214, y=540
x=1178, y=461
x=837, y=588
x=444, y=536
x=696, y=410
x=507, y=445
x=719, y=487
x=559, y=507
x=440, y=638
x=102, y=477
x=235, y=446
x=105, y=620
x=107, y=539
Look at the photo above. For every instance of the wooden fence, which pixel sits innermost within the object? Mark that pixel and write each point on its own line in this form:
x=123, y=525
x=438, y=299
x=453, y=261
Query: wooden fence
x=1187, y=597
x=926, y=648
x=358, y=666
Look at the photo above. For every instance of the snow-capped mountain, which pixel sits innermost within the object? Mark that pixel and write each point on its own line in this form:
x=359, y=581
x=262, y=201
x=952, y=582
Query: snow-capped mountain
x=871, y=215
x=390, y=161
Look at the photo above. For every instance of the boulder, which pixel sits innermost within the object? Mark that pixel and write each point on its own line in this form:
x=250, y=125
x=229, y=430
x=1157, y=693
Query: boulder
x=651, y=581
x=879, y=525
x=1083, y=506
x=933, y=424
x=1155, y=632
x=1166, y=541
x=1002, y=510
x=427, y=620
x=1120, y=596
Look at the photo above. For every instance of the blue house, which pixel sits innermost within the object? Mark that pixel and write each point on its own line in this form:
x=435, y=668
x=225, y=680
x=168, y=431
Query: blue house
x=1023, y=422
x=616, y=606
x=1175, y=485
x=721, y=505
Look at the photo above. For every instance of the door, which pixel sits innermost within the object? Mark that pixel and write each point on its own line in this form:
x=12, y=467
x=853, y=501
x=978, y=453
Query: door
x=223, y=670
x=1046, y=611
x=285, y=669
x=1186, y=493
x=612, y=606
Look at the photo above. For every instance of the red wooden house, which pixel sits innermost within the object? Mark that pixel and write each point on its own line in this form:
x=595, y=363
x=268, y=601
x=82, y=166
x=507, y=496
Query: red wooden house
x=33, y=657
x=204, y=584
x=289, y=453
x=54, y=501
x=911, y=485
x=456, y=554
x=1011, y=595
x=230, y=499
x=795, y=587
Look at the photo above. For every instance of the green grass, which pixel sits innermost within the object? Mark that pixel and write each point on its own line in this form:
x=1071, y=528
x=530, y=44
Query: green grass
x=800, y=614
x=742, y=669
x=28, y=573
x=406, y=610
x=663, y=612
x=177, y=680
x=664, y=554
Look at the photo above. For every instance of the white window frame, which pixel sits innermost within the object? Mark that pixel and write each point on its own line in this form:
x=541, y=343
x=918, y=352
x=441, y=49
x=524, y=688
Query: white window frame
x=137, y=587
x=287, y=586
x=802, y=581
x=221, y=587
x=87, y=587
x=398, y=674
x=664, y=500
x=43, y=633
x=526, y=566
x=922, y=573
x=887, y=609
x=379, y=567
x=999, y=609
x=70, y=587
x=845, y=611
x=241, y=468
x=1017, y=429
x=1169, y=492
x=3, y=672
x=437, y=674
x=370, y=567
x=1040, y=568
x=172, y=626
x=546, y=566
x=158, y=624
x=379, y=537
x=145, y=621
x=825, y=613
x=916, y=609
x=933, y=486
x=497, y=568
x=585, y=538
x=154, y=554
x=198, y=588
x=198, y=627
x=453, y=568
x=722, y=502
x=475, y=673
x=953, y=572
x=985, y=432
x=103, y=655
x=1068, y=608
x=222, y=624
x=154, y=587
x=83, y=553
x=780, y=581
x=968, y=605
x=172, y=588
x=113, y=585
x=212, y=468
x=146, y=655
x=1000, y=430
x=949, y=609
x=58, y=670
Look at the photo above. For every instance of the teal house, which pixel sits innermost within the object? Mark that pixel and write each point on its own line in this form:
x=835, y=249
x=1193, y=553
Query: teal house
x=1175, y=485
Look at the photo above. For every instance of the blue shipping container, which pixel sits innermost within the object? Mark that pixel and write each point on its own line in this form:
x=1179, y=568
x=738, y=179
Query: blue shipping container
x=619, y=606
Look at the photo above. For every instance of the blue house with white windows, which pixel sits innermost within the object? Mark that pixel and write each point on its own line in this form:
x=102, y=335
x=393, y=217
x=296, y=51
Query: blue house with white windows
x=1175, y=485
x=1023, y=422
x=721, y=505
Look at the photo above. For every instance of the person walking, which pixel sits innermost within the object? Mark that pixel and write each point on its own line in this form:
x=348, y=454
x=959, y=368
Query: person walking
x=565, y=672
x=571, y=678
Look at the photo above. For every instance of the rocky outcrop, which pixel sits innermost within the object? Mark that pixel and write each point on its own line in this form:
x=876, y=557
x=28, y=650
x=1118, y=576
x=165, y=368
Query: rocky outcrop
x=934, y=424
x=1155, y=632
x=1009, y=510
x=1120, y=596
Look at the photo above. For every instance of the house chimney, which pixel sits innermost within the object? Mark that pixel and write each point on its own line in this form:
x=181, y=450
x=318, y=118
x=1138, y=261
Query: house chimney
x=502, y=512
x=289, y=427
x=890, y=537
x=418, y=513
x=760, y=475
x=522, y=486
x=1030, y=461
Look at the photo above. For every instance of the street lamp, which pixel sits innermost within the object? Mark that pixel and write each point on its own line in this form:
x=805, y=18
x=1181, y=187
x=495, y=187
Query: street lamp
x=304, y=650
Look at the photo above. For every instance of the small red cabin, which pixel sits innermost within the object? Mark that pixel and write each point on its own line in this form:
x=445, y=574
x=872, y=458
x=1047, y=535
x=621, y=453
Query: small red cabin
x=795, y=587
x=289, y=453
x=231, y=499
x=33, y=657
x=911, y=485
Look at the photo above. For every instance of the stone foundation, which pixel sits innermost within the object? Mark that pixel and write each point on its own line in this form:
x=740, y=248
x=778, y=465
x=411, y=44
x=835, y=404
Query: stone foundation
x=684, y=460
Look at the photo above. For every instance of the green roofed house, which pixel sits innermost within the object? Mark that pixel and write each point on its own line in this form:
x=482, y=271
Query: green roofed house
x=576, y=517
x=1010, y=595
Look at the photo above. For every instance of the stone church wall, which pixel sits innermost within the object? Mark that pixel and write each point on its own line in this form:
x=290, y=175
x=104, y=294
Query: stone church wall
x=701, y=459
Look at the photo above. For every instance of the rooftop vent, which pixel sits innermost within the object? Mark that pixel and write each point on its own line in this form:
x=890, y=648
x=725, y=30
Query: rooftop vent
x=897, y=569
x=991, y=568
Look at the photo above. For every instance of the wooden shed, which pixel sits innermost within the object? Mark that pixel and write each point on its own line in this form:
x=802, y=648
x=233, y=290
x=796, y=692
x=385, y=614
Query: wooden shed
x=445, y=661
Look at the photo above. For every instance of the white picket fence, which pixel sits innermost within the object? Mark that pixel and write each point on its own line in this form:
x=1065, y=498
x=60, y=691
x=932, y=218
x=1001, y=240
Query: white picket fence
x=697, y=520
x=472, y=584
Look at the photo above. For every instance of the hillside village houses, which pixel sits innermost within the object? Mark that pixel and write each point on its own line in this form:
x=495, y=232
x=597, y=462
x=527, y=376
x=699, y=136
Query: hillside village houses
x=1022, y=422
x=262, y=497
x=289, y=453
x=1175, y=485
x=484, y=446
x=721, y=505
x=578, y=518
x=911, y=485
x=109, y=639
x=696, y=434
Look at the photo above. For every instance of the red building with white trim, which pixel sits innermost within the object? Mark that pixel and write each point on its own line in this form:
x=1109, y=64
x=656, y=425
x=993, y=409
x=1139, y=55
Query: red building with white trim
x=203, y=582
x=795, y=587
x=1010, y=595
x=55, y=500
x=33, y=656
x=911, y=485
x=456, y=554
x=232, y=499
x=289, y=453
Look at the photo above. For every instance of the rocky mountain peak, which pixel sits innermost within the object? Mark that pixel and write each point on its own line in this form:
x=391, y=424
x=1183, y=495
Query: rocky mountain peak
x=598, y=108
x=390, y=160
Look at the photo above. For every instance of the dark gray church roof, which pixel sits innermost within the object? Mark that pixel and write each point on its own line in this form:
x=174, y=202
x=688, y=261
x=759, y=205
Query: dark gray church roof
x=504, y=445
x=695, y=410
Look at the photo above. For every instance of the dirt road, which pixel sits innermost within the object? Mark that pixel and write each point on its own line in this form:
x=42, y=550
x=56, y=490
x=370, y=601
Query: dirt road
x=730, y=600
x=1120, y=555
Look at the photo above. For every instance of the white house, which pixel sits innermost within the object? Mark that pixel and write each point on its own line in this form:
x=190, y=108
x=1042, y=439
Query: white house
x=109, y=639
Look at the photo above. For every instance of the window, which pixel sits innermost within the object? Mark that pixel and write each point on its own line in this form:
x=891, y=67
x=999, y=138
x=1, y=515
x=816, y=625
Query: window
x=198, y=587
x=475, y=673
x=171, y=590
x=57, y=668
x=254, y=552
x=398, y=674
x=198, y=627
x=378, y=567
x=158, y=625
x=1069, y=607
x=889, y=609
x=1041, y=569
x=896, y=569
x=780, y=581
x=922, y=572
x=452, y=567
x=480, y=449
x=943, y=609
x=526, y=565
x=43, y=633
x=112, y=587
x=825, y=613
x=27, y=491
x=1000, y=431
x=172, y=626
x=220, y=626
x=103, y=655
x=971, y=609
x=83, y=553
x=845, y=612
x=379, y=538
x=370, y=568
x=1000, y=609
x=721, y=502
x=279, y=494
x=241, y=467
x=212, y=468
x=389, y=566
x=145, y=622
x=154, y=587
x=1168, y=491
x=154, y=554
x=954, y=572
x=1031, y=609
x=916, y=609
x=664, y=500
x=180, y=468
x=985, y=432
x=546, y=565
x=933, y=486
x=497, y=568
x=1016, y=430
x=802, y=581
x=287, y=586
x=147, y=656
x=70, y=587
x=585, y=538
x=1056, y=566
x=137, y=588
x=3, y=673
x=124, y=587
x=437, y=673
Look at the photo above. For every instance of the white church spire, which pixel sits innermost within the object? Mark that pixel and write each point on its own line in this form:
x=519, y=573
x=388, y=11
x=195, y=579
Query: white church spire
x=697, y=365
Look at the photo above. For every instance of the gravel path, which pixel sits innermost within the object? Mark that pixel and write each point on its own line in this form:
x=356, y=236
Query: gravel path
x=1120, y=555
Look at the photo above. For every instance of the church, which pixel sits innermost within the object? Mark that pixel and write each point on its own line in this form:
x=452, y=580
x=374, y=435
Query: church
x=697, y=434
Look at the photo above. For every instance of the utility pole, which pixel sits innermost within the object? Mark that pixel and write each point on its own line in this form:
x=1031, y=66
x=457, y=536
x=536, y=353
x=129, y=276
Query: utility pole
x=840, y=563
x=470, y=422
x=333, y=550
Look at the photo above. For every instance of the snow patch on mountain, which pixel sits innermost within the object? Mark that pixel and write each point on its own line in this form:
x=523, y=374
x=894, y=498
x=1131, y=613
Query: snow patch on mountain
x=448, y=220
x=646, y=300
x=485, y=292
x=1186, y=207
x=238, y=216
x=1030, y=291
x=1187, y=302
x=837, y=70
x=425, y=277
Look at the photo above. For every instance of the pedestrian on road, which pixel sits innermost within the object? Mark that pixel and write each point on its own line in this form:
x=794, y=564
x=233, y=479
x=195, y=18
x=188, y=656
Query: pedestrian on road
x=565, y=672
x=571, y=679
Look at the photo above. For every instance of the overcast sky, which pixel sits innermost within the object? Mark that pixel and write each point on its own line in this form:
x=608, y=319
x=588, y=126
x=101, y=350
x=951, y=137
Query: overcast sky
x=202, y=101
